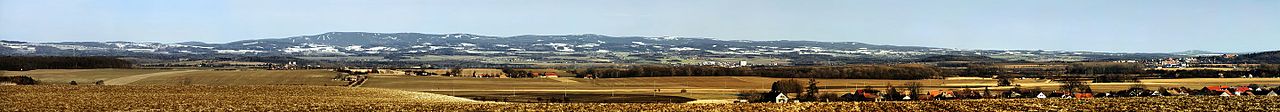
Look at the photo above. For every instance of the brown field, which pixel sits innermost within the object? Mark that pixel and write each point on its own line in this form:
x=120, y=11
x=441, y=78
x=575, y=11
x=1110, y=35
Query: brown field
x=317, y=98
x=247, y=77
x=724, y=87
x=702, y=88
x=81, y=76
x=550, y=97
x=201, y=98
x=424, y=83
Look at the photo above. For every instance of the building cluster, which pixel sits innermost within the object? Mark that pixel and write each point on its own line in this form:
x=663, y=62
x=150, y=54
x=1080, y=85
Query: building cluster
x=1174, y=62
x=724, y=64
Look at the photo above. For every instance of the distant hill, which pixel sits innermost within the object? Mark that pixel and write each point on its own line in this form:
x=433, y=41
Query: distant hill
x=1260, y=57
x=1195, y=52
x=958, y=58
x=613, y=48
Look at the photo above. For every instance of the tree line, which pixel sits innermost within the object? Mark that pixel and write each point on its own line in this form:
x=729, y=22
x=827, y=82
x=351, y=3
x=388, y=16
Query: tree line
x=60, y=62
x=893, y=71
x=1097, y=71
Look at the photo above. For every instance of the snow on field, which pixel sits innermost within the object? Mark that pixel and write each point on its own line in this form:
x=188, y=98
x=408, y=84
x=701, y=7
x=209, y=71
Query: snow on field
x=237, y=51
x=467, y=44
x=685, y=49
x=588, y=45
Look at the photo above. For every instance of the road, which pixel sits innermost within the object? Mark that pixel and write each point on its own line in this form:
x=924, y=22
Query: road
x=134, y=78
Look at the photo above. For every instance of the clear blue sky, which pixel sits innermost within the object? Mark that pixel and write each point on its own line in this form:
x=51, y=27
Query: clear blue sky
x=1089, y=25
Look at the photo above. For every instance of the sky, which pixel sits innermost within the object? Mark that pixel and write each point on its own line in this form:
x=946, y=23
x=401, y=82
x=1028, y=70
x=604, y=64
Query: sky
x=1076, y=25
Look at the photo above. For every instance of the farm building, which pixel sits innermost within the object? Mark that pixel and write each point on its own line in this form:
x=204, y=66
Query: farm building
x=547, y=75
x=941, y=94
x=779, y=98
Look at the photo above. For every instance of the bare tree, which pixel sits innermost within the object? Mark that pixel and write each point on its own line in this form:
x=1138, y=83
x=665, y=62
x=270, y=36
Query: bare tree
x=1073, y=85
x=1004, y=81
x=913, y=88
x=811, y=93
x=787, y=86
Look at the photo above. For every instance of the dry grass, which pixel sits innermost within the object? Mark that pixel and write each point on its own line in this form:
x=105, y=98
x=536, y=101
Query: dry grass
x=723, y=87
x=81, y=76
x=251, y=77
x=426, y=83
x=312, y=98
x=202, y=98
x=707, y=87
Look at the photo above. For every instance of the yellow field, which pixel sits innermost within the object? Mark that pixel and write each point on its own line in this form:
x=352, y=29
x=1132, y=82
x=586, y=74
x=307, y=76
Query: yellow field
x=249, y=77
x=314, y=98
x=81, y=76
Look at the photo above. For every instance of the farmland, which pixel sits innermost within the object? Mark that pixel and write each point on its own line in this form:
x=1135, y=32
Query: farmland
x=192, y=98
x=725, y=87
x=83, y=76
x=315, y=98
x=696, y=87
x=246, y=77
x=183, y=77
x=428, y=83
x=492, y=71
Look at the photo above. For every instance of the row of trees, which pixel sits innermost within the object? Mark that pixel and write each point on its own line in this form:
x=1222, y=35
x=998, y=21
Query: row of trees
x=58, y=62
x=1216, y=73
x=20, y=80
x=1106, y=68
x=514, y=73
x=899, y=71
x=1100, y=71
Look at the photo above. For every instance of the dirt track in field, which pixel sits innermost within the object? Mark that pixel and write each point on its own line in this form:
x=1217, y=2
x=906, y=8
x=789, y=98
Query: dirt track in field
x=131, y=79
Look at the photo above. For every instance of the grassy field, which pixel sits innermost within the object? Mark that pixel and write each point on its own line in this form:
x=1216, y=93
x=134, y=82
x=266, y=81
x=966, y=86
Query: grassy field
x=316, y=98
x=248, y=77
x=81, y=76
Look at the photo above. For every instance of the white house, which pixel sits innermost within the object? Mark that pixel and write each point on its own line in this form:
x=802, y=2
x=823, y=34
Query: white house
x=781, y=98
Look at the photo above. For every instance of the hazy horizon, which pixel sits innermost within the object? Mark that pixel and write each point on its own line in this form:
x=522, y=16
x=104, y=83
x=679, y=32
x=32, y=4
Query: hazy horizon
x=1150, y=26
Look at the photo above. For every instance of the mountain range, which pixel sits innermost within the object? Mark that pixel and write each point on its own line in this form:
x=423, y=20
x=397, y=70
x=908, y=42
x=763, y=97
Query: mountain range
x=384, y=44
